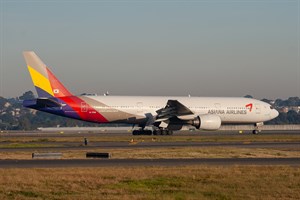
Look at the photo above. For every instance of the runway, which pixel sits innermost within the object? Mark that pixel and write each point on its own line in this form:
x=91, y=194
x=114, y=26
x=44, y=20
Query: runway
x=146, y=162
x=140, y=145
x=39, y=142
x=8, y=134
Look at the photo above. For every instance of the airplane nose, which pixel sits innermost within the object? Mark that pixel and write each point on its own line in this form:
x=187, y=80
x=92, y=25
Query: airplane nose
x=274, y=114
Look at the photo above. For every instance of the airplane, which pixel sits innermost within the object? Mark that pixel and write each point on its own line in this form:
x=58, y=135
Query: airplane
x=161, y=114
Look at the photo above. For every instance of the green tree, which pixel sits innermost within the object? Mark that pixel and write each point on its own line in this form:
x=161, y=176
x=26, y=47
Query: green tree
x=27, y=95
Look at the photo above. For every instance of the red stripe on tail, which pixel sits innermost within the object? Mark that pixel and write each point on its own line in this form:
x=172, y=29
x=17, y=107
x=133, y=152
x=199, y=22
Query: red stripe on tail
x=58, y=88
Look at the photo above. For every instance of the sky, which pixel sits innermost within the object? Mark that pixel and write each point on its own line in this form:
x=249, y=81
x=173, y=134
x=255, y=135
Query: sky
x=170, y=48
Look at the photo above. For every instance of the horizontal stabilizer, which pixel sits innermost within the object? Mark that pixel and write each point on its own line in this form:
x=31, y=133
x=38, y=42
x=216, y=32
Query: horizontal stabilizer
x=47, y=103
x=41, y=103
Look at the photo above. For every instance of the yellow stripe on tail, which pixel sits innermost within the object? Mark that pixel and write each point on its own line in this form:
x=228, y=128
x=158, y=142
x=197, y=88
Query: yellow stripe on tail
x=40, y=81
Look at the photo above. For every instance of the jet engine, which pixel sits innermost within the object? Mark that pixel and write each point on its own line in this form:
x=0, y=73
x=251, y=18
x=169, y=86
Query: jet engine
x=207, y=122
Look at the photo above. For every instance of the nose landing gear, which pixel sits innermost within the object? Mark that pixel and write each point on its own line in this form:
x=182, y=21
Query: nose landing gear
x=257, y=127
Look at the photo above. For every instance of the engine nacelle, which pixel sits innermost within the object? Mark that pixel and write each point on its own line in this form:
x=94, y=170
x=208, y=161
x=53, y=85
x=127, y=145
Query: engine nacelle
x=207, y=122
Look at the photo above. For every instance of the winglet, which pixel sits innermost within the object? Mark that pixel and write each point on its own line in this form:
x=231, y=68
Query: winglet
x=46, y=84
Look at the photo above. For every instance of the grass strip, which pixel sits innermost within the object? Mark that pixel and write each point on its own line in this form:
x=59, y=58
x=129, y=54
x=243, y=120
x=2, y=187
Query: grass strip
x=190, y=182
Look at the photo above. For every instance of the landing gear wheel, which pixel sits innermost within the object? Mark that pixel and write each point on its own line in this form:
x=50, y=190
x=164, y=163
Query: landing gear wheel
x=142, y=132
x=164, y=132
x=170, y=132
x=135, y=132
x=147, y=132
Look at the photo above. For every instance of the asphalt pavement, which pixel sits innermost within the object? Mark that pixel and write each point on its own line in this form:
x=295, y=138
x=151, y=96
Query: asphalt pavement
x=62, y=163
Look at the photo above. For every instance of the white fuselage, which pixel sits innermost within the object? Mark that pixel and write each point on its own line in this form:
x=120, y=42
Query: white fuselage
x=230, y=110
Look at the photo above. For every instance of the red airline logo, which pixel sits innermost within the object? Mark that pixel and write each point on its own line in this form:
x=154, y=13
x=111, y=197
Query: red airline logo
x=250, y=105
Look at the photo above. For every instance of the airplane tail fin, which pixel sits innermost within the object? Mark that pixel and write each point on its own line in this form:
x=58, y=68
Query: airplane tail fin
x=46, y=84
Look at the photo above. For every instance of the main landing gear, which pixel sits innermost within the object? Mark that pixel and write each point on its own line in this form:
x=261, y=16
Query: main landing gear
x=162, y=132
x=142, y=132
x=152, y=132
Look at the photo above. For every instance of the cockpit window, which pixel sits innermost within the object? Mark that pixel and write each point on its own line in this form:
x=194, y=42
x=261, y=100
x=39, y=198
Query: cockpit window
x=271, y=107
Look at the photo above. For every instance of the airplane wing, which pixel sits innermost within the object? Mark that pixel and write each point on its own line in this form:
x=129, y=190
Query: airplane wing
x=173, y=109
